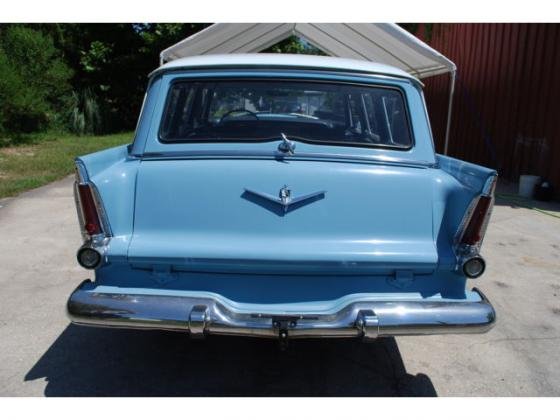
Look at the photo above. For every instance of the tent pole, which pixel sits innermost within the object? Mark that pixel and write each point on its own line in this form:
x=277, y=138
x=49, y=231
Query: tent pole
x=452, y=78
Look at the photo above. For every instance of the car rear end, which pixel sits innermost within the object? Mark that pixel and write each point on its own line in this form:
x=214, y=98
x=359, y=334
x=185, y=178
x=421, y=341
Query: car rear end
x=209, y=224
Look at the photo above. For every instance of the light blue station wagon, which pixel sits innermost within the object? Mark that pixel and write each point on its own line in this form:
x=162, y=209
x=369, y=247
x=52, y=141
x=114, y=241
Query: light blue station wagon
x=282, y=196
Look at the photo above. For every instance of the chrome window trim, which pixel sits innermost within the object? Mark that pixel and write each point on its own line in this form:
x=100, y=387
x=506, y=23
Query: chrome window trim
x=261, y=77
x=261, y=154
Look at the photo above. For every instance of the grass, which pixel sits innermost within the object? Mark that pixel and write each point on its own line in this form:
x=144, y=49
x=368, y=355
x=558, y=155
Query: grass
x=47, y=158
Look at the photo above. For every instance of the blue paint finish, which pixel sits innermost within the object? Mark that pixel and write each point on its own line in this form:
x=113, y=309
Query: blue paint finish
x=184, y=225
x=114, y=174
x=146, y=116
x=200, y=212
x=268, y=289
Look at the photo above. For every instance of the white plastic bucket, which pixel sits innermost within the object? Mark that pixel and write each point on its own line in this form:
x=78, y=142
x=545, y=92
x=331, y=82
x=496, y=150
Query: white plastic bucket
x=527, y=185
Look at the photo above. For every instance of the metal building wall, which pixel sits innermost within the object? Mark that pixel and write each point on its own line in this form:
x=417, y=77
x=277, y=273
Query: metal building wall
x=507, y=101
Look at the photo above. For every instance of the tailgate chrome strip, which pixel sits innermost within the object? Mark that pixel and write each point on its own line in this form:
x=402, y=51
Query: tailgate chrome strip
x=210, y=315
x=259, y=154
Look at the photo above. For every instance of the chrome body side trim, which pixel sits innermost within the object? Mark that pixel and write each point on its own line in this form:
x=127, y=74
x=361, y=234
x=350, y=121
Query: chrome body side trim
x=202, y=314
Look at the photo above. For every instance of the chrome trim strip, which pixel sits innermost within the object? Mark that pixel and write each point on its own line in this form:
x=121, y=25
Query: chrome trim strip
x=339, y=144
x=463, y=251
x=464, y=222
x=200, y=315
x=82, y=178
x=285, y=199
x=77, y=202
x=489, y=186
x=257, y=154
x=103, y=219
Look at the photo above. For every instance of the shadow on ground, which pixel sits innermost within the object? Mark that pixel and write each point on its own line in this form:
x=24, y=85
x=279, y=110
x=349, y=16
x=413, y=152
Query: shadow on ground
x=101, y=362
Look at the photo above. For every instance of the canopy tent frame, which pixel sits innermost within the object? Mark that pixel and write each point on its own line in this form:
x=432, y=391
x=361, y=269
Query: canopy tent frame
x=385, y=43
x=452, y=80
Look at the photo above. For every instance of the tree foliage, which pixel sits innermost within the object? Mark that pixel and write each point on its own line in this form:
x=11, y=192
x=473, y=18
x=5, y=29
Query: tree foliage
x=111, y=63
x=86, y=78
x=34, y=80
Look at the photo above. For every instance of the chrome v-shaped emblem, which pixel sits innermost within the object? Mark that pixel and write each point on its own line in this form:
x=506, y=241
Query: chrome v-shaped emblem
x=285, y=198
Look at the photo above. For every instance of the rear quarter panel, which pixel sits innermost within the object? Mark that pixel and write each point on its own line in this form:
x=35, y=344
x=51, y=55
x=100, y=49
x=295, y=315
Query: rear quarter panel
x=114, y=173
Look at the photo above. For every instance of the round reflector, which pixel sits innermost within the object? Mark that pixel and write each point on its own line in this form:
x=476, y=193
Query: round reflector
x=89, y=258
x=474, y=267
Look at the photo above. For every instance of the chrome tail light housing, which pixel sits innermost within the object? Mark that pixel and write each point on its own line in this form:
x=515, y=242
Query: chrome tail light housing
x=92, y=217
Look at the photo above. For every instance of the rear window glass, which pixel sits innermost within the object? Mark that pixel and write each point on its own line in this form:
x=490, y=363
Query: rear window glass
x=257, y=110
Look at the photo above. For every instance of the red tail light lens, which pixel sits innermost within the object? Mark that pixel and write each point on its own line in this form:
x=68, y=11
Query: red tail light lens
x=91, y=218
x=474, y=231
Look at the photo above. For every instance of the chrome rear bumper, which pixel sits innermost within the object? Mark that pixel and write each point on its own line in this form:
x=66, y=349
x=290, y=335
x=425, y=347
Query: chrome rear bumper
x=211, y=314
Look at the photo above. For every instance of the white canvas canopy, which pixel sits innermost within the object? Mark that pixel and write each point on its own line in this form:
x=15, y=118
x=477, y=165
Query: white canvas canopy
x=385, y=43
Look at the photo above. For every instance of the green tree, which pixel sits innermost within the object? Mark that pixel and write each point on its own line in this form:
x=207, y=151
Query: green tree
x=89, y=78
x=111, y=63
x=34, y=80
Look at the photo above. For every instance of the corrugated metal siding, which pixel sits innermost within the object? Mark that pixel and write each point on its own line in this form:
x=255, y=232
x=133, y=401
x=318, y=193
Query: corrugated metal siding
x=506, y=108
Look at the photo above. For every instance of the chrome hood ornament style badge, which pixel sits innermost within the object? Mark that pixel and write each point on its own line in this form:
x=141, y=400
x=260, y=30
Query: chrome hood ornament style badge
x=285, y=198
x=286, y=146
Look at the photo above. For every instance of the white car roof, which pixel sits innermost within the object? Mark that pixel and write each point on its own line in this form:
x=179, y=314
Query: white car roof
x=283, y=60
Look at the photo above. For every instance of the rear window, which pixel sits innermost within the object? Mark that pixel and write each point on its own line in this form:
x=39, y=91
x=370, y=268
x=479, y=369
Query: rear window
x=258, y=110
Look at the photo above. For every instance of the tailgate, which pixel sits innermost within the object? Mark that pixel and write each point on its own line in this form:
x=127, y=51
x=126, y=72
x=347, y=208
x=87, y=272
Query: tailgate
x=197, y=215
